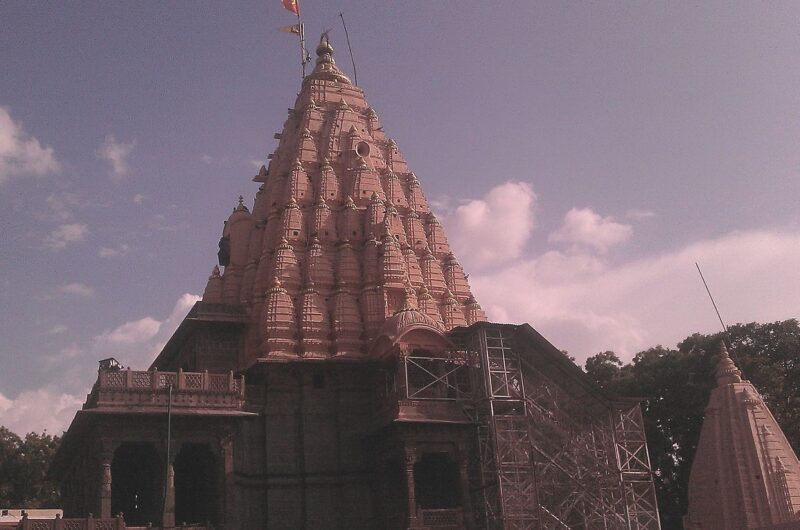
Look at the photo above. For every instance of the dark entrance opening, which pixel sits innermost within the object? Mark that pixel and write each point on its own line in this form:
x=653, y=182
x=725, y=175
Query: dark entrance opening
x=436, y=482
x=195, y=485
x=136, y=484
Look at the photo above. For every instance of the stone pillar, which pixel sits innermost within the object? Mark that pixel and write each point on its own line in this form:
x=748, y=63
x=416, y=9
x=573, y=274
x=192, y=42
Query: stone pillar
x=411, y=458
x=106, y=458
x=227, y=513
x=168, y=515
x=105, y=489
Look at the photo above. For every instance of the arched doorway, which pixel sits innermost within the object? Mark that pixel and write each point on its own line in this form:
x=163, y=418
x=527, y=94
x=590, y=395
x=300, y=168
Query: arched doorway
x=136, y=483
x=195, y=485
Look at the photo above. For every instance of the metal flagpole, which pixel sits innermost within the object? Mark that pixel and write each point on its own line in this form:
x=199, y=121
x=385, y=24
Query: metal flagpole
x=302, y=42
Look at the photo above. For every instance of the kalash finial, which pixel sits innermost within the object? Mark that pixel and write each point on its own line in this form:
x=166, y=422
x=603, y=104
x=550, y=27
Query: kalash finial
x=324, y=46
x=241, y=207
x=326, y=68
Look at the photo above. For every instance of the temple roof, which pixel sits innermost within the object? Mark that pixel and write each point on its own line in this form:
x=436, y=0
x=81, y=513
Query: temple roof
x=337, y=206
x=744, y=474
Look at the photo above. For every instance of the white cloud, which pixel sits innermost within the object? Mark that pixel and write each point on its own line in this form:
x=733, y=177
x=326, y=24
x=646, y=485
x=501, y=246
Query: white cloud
x=65, y=234
x=77, y=289
x=38, y=410
x=486, y=231
x=207, y=159
x=134, y=343
x=20, y=153
x=137, y=342
x=117, y=153
x=108, y=252
x=583, y=304
x=135, y=332
x=138, y=198
x=179, y=310
x=57, y=329
x=584, y=227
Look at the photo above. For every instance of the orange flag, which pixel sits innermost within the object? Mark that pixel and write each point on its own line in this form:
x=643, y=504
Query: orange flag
x=294, y=28
x=292, y=5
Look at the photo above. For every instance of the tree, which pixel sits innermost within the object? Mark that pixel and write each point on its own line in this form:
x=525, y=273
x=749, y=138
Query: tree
x=23, y=470
x=603, y=368
x=675, y=385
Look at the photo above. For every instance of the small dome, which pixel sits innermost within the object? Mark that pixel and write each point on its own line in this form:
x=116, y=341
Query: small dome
x=395, y=326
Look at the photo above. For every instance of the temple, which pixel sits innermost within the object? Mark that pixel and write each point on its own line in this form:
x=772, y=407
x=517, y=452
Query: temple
x=339, y=373
x=745, y=474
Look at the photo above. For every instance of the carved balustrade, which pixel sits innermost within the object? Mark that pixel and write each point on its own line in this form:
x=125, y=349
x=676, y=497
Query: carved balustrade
x=89, y=523
x=126, y=388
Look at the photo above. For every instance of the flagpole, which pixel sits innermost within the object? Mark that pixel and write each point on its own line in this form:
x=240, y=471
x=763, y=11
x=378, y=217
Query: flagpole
x=302, y=44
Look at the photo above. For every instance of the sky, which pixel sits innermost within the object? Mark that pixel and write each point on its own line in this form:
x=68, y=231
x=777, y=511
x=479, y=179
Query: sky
x=581, y=156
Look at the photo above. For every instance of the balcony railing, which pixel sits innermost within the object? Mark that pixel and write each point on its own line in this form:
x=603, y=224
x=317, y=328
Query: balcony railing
x=90, y=523
x=447, y=518
x=126, y=388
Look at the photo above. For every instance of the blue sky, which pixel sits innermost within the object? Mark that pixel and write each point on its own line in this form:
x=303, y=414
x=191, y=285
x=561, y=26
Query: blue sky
x=581, y=158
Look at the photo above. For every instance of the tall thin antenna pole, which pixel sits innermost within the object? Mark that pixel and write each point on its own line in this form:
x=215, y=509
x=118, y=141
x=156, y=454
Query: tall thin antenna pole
x=724, y=327
x=352, y=60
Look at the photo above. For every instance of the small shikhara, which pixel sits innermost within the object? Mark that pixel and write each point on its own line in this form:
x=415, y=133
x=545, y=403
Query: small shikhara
x=339, y=372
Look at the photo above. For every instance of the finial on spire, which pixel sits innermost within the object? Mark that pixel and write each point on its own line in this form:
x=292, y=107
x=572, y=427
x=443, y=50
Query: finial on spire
x=276, y=285
x=324, y=44
x=409, y=303
x=240, y=207
x=326, y=68
x=726, y=372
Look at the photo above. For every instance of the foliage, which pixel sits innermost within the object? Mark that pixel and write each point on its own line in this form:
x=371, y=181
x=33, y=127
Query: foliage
x=23, y=470
x=675, y=387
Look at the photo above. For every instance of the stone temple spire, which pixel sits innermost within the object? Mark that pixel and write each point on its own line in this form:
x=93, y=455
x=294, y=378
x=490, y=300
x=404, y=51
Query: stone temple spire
x=745, y=474
x=337, y=207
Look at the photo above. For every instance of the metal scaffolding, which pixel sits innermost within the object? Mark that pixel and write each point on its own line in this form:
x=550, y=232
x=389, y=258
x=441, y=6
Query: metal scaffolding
x=551, y=455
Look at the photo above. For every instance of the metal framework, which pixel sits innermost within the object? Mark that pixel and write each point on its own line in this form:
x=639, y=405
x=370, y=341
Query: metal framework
x=548, y=456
